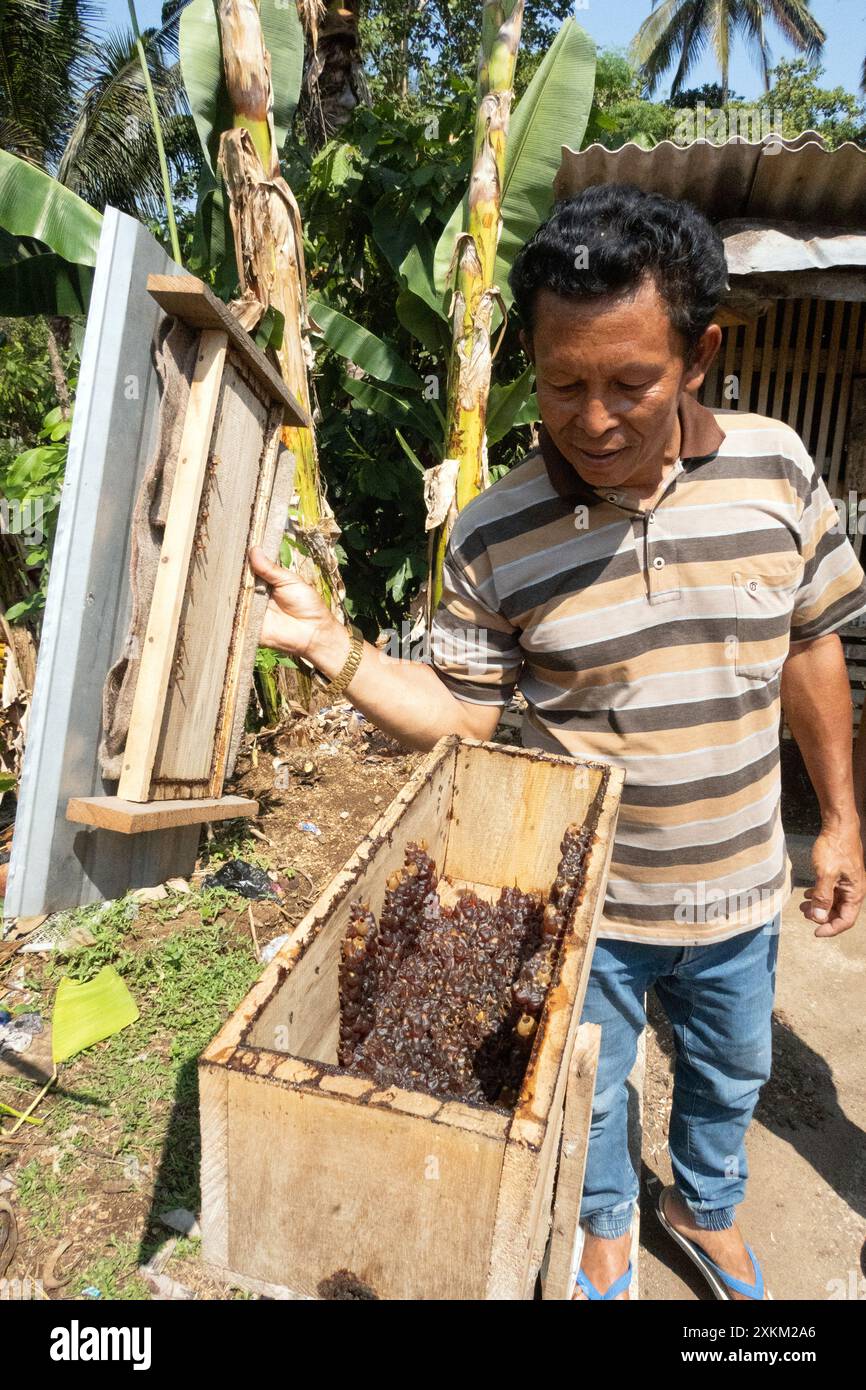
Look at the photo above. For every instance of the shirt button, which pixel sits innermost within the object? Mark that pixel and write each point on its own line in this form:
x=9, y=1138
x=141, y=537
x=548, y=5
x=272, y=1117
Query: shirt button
x=753, y=586
x=651, y=516
x=658, y=563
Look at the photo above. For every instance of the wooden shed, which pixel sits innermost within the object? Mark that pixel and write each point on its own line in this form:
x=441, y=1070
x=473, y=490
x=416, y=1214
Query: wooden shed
x=793, y=218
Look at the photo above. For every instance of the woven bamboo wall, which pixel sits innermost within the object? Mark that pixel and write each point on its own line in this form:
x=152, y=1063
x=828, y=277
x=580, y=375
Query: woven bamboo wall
x=797, y=363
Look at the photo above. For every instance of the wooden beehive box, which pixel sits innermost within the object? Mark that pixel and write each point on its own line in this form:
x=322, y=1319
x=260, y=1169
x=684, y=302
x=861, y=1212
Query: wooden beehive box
x=308, y=1170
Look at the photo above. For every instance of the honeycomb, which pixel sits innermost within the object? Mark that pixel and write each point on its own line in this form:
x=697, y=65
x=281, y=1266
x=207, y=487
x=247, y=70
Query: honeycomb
x=447, y=999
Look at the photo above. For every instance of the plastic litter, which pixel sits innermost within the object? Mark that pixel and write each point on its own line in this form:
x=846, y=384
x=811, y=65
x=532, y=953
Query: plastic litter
x=182, y=1220
x=238, y=876
x=310, y=827
x=270, y=950
x=16, y=1034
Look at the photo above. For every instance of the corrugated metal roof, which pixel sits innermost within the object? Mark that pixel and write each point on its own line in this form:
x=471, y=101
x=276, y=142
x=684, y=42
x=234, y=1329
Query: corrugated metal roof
x=753, y=248
x=772, y=180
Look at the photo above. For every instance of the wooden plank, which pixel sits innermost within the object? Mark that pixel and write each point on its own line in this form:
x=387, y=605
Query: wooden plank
x=855, y=469
x=747, y=366
x=56, y=864
x=214, y=1173
x=784, y=360
x=840, y=426
x=814, y=365
x=216, y=574
x=531, y=1148
x=525, y=808
x=270, y=513
x=731, y=337
x=767, y=359
x=580, y=1086
x=804, y=307
x=318, y=1184
x=821, y=456
x=168, y=593
x=136, y=817
x=191, y=300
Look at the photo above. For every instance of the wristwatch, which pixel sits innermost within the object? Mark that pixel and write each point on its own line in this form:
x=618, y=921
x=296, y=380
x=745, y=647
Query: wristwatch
x=336, y=686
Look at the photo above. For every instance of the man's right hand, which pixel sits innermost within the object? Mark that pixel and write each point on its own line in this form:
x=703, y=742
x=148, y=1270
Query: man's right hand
x=405, y=698
x=297, y=619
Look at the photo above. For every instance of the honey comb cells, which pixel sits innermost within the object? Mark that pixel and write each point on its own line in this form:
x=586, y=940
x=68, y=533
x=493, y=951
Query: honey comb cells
x=446, y=999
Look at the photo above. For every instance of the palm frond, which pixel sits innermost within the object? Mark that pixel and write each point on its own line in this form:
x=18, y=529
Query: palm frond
x=798, y=24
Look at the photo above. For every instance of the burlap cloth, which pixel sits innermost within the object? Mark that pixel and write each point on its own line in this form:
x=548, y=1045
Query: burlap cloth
x=174, y=359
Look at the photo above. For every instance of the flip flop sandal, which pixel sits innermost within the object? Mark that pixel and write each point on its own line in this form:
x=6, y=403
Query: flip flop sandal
x=587, y=1285
x=718, y=1279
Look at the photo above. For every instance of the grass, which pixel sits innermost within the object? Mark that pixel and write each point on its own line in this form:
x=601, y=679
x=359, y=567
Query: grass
x=232, y=841
x=134, y=1097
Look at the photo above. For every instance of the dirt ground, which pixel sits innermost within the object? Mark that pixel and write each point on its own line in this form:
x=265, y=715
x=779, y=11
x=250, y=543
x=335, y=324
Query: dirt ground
x=805, y=1208
x=118, y=1143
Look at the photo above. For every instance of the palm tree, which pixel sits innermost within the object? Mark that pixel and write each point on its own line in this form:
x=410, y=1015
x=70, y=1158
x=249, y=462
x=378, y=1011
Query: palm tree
x=334, y=82
x=73, y=102
x=679, y=31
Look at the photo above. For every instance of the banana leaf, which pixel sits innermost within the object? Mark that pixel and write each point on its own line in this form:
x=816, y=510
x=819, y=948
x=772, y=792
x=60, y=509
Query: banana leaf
x=202, y=70
x=44, y=284
x=374, y=356
x=409, y=414
x=85, y=1014
x=552, y=112
x=33, y=204
x=512, y=404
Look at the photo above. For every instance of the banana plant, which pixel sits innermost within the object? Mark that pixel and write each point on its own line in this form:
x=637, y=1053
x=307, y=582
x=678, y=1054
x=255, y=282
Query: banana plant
x=552, y=112
x=48, y=242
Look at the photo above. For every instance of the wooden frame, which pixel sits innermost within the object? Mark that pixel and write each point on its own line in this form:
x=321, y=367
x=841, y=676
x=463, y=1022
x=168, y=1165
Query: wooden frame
x=308, y=1170
x=231, y=489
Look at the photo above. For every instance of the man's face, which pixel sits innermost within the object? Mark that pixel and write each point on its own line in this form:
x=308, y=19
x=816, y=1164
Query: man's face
x=609, y=377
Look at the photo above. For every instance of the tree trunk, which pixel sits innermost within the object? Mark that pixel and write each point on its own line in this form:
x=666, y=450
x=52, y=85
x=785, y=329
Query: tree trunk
x=61, y=385
x=334, y=79
x=269, y=249
x=463, y=472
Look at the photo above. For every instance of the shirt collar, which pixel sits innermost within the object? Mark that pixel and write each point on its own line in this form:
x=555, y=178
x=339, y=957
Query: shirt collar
x=700, y=439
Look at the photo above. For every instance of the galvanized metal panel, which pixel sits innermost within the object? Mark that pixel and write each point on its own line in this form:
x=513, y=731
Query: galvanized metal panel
x=56, y=864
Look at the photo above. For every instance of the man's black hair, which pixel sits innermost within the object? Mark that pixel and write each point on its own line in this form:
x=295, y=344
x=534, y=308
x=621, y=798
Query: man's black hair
x=608, y=238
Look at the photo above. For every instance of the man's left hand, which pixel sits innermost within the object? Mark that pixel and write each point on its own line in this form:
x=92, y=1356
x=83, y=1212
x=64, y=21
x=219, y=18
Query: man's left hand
x=840, y=882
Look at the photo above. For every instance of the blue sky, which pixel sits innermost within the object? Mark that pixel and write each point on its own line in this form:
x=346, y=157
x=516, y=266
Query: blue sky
x=613, y=22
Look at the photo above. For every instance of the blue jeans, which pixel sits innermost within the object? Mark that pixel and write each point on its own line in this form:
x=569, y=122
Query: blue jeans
x=719, y=1000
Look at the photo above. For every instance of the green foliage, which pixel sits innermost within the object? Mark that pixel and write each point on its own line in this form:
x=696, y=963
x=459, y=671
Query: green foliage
x=32, y=204
x=802, y=104
x=26, y=387
x=413, y=49
x=676, y=32
x=619, y=112
x=34, y=478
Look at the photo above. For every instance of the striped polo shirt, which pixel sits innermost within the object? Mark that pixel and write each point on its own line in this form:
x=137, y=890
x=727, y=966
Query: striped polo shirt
x=654, y=640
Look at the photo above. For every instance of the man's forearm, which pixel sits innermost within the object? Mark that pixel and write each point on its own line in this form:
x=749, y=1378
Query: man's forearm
x=816, y=698
x=860, y=770
x=404, y=698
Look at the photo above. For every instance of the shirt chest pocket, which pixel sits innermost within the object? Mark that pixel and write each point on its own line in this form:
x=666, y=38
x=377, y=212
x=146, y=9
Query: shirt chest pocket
x=764, y=605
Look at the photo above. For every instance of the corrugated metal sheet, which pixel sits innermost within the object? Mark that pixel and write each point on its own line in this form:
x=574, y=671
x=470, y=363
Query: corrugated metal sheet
x=773, y=180
x=753, y=248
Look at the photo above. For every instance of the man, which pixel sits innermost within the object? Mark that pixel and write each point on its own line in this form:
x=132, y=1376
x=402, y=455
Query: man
x=657, y=579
